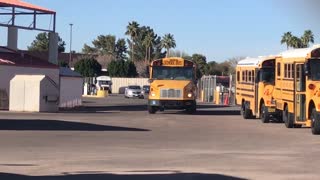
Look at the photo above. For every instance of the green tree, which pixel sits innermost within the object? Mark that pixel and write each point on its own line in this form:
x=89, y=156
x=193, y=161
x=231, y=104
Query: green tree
x=89, y=50
x=121, y=49
x=168, y=42
x=201, y=62
x=88, y=67
x=307, y=38
x=63, y=64
x=148, y=43
x=122, y=68
x=147, y=47
x=132, y=31
x=102, y=45
x=287, y=39
x=41, y=43
x=131, y=69
x=296, y=42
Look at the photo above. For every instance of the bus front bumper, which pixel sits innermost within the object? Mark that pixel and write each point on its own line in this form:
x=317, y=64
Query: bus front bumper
x=172, y=104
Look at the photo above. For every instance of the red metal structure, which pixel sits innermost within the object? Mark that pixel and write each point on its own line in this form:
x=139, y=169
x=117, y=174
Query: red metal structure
x=14, y=8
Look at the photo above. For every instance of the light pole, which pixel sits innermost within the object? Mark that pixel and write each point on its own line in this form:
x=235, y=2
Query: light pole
x=70, y=55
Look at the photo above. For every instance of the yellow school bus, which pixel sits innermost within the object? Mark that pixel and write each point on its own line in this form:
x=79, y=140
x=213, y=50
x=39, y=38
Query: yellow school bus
x=255, y=78
x=297, y=87
x=172, y=85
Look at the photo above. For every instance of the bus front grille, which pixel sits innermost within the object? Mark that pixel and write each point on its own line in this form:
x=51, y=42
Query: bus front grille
x=171, y=93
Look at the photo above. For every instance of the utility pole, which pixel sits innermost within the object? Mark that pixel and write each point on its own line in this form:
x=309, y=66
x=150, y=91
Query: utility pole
x=70, y=55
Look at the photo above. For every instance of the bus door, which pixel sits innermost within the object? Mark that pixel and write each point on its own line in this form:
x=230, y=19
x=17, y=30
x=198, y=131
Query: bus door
x=256, y=90
x=299, y=93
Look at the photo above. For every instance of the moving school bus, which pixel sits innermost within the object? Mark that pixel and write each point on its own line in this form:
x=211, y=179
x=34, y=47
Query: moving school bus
x=255, y=78
x=172, y=85
x=297, y=88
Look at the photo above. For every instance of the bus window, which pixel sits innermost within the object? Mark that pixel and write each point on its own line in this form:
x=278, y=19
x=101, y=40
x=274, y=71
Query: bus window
x=278, y=69
x=243, y=76
x=177, y=73
x=285, y=70
x=252, y=74
x=267, y=75
x=315, y=69
x=238, y=78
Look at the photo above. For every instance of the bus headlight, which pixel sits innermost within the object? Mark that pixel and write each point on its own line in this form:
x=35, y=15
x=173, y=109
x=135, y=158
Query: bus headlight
x=153, y=94
x=189, y=95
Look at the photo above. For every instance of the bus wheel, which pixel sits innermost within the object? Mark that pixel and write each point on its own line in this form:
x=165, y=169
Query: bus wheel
x=246, y=112
x=265, y=117
x=152, y=109
x=288, y=120
x=315, y=122
x=192, y=109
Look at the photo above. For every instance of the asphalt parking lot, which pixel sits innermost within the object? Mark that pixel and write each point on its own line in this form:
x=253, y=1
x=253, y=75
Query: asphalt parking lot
x=115, y=138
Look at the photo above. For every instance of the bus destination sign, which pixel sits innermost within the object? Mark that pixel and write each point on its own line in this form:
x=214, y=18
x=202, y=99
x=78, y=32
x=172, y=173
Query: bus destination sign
x=172, y=62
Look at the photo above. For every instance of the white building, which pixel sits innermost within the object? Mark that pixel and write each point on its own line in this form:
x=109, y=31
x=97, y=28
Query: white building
x=14, y=63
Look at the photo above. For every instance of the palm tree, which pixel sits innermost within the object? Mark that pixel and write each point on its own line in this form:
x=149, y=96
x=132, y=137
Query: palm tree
x=148, y=43
x=287, y=39
x=132, y=31
x=168, y=42
x=296, y=42
x=307, y=38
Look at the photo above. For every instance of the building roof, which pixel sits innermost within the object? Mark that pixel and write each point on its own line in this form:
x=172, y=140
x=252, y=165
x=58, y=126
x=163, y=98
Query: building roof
x=67, y=72
x=24, y=5
x=299, y=53
x=13, y=58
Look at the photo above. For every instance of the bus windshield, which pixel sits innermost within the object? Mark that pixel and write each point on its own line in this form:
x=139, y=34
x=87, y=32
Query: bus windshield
x=172, y=73
x=315, y=69
x=267, y=75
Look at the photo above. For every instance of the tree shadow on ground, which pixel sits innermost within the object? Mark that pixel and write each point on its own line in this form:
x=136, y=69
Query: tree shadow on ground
x=165, y=176
x=57, y=125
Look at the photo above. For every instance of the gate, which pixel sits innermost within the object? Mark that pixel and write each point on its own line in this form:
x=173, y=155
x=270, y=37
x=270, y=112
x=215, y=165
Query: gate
x=216, y=89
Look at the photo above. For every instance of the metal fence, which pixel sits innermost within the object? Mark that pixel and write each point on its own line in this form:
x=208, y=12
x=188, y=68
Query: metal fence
x=216, y=89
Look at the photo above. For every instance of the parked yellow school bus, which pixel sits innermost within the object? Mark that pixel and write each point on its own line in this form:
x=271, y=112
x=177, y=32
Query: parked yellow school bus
x=172, y=85
x=255, y=78
x=297, y=87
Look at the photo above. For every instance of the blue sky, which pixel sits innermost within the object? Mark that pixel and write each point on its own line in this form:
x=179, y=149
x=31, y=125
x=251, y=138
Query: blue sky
x=216, y=29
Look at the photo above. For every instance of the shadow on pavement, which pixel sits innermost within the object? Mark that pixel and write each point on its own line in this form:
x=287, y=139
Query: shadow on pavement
x=218, y=112
x=171, y=176
x=207, y=106
x=57, y=125
x=105, y=109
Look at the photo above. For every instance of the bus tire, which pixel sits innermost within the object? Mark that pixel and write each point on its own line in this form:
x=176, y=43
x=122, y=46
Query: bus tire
x=315, y=122
x=152, y=109
x=265, y=116
x=287, y=118
x=192, y=109
x=246, y=112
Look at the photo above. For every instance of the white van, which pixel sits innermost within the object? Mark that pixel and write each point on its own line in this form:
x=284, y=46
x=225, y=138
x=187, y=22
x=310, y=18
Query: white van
x=104, y=82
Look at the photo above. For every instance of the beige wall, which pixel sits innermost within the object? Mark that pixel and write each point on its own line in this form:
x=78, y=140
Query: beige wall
x=124, y=82
x=8, y=72
x=70, y=92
